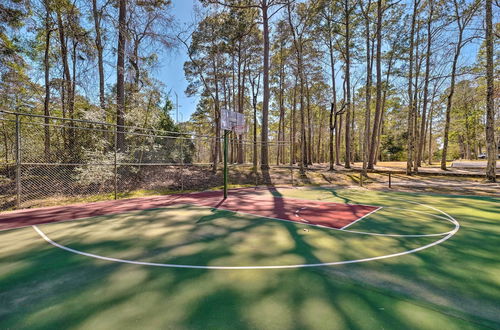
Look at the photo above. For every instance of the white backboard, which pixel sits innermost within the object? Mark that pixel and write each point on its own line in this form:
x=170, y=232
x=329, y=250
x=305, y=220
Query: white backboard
x=232, y=120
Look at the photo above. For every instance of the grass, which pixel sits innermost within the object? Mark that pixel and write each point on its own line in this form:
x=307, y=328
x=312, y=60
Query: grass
x=452, y=286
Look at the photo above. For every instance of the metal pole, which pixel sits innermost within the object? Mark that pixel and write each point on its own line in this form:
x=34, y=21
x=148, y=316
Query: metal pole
x=225, y=163
x=18, y=162
x=291, y=163
x=115, y=164
x=182, y=166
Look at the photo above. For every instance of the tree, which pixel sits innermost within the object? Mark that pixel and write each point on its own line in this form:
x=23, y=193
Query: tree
x=298, y=26
x=97, y=14
x=148, y=25
x=368, y=84
x=411, y=108
x=466, y=123
x=206, y=68
x=342, y=81
x=490, y=106
x=46, y=64
x=347, y=76
x=378, y=102
x=264, y=6
x=120, y=75
x=329, y=29
x=255, y=86
x=462, y=17
x=13, y=13
x=420, y=146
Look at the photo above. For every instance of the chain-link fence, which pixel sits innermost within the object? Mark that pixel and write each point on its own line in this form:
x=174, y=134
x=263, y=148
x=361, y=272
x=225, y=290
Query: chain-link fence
x=47, y=159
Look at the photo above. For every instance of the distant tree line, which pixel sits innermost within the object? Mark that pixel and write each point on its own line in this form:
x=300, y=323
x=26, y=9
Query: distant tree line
x=320, y=81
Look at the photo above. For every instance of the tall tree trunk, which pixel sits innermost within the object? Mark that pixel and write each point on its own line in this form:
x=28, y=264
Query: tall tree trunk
x=319, y=156
x=265, y=99
x=416, y=101
x=303, y=140
x=333, y=109
x=426, y=85
x=255, y=92
x=120, y=76
x=242, y=101
x=490, y=109
x=240, y=83
x=294, y=121
x=430, y=135
x=377, y=121
x=368, y=88
x=452, y=88
x=100, y=62
x=300, y=70
x=339, y=121
x=411, y=110
x=384, y=98
x=46, y=64
x=354, y=155
x=309, y=130
x=255, y=133
x=67, y=90
x=347, y=161
x=331, y=143
x=217, y=144
x=134, y=62
x=74, y=59
x=427, y=127
x=217, y=108
x=281, y=128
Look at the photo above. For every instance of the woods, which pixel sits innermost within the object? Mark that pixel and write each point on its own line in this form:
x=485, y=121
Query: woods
x=320, y=82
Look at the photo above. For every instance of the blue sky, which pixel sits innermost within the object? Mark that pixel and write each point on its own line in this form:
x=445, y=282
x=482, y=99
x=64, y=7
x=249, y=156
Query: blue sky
x=171, y=71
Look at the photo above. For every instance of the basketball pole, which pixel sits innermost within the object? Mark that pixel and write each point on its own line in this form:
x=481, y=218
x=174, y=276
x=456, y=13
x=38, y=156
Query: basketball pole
x=225, y=163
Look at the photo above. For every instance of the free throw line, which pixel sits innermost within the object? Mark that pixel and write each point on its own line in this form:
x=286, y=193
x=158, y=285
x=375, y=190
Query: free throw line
x=364, y=216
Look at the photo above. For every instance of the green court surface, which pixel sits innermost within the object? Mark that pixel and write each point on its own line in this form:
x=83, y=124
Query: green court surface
x=409, y=265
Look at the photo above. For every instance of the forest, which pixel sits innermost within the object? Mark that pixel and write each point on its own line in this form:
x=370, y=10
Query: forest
x=328, y=82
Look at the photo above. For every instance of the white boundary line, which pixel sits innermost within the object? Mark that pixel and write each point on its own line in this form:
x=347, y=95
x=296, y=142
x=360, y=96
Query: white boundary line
x=448, y=235
x=364, y=216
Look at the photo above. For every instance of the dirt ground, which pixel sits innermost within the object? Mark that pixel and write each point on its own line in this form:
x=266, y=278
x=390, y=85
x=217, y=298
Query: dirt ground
x=427, y=182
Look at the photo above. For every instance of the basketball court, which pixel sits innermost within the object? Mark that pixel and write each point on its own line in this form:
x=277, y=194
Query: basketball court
x=253, y=258
x=199, y=259
x=206, y=253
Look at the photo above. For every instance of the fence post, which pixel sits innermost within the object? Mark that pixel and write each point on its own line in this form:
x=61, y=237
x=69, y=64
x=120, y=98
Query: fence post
x=291, y=163
x=361, y=179
x=390, y=183
x=115, y=171
x=225, y=163
x=18, y=162
x=182, y=164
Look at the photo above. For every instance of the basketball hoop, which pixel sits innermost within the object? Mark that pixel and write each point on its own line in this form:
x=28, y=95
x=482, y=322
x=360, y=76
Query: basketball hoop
x=233, y=121
x=230, y=121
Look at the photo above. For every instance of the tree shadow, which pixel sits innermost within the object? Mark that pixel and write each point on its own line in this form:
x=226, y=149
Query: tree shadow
x=55, y=289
